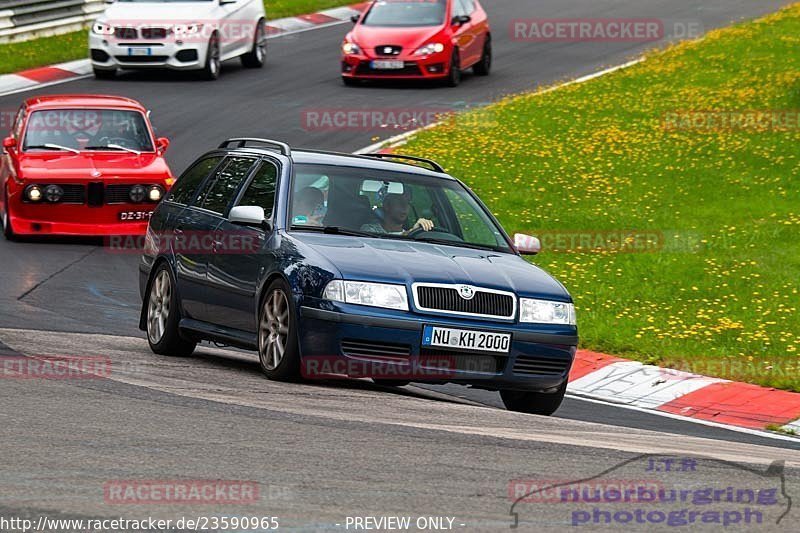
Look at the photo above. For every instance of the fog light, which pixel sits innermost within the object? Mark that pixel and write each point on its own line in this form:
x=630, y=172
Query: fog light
x=53, y=193
x=155, y=193
x=138, y=194
x=33, y=193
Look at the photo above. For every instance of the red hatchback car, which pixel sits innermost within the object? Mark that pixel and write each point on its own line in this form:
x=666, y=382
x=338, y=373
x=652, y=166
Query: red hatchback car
x=81, y=165
x=418, y=39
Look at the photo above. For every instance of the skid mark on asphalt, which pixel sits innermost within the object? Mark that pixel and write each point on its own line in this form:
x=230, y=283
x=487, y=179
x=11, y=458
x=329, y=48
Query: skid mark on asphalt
x=242, y=384
x=55, y=274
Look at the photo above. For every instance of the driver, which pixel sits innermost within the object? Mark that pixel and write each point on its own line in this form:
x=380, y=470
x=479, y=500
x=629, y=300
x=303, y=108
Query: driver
x=395, y=215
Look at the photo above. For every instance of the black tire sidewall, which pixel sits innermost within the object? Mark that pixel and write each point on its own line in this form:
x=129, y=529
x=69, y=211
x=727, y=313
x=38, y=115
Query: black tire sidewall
x=207, y=72
x=171, y=343
x=537, y=403
x=454, y=79
x=8, y=229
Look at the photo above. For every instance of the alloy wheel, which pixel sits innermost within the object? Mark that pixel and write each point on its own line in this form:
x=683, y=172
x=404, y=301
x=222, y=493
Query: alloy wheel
x=273, y=331
x=158, y=307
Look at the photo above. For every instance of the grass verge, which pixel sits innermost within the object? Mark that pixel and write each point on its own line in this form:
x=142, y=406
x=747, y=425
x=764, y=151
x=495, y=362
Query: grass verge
x=15, y=57
x=714, y=288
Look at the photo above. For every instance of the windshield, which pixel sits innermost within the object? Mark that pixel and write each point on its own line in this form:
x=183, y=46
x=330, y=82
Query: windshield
x=390, y=205
x=87, y=129
x=406, y=13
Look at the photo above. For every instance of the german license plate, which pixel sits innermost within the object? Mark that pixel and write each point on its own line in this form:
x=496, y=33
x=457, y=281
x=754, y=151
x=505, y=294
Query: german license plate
x=135, y=216
x=140, y=51
x=466, y=339
x=387, y=64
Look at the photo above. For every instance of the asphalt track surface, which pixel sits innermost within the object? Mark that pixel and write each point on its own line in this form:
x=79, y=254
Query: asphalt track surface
x=321, y=452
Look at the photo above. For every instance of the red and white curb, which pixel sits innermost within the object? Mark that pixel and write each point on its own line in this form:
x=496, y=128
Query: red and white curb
x=620, y=381
x=61, y=73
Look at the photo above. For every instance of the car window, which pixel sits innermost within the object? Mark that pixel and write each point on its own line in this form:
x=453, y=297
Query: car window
x=19, y=122
x=405, y=13
x=261, y=191
x=88, y=129
x=187, y=184
x=467, y=6
x=220, y=191
x=473, y=224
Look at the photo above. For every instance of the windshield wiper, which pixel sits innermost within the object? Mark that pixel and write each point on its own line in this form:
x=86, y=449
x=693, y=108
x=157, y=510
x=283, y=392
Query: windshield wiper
x=462, y=244
x=114, y=147
x=49, y=146
x=335, y=230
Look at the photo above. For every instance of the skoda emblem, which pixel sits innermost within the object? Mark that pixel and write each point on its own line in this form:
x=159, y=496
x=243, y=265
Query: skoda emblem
x=466, y=292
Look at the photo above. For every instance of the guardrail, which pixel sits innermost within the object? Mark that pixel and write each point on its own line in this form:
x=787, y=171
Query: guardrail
x=21, y=20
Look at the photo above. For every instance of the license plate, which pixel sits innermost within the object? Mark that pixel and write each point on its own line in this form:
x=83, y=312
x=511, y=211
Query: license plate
x=140, y=51
x=387, y=64
x=466, y=339
x=135, y=216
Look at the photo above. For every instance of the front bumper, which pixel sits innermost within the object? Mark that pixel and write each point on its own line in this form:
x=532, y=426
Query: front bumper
x=436, y=66
x=108, y=53
x=77, y=220
x=360, y=342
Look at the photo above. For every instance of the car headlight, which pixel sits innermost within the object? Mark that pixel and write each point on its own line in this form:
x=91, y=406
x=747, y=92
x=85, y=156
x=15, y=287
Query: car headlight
x=101, y=28
x=351, y=48
x=138, y=194
x=155, y=193
x=33, y=193
x=546, y=312
x=363, y=293
x=187, y=29
x=53, y=193
x=430, y=49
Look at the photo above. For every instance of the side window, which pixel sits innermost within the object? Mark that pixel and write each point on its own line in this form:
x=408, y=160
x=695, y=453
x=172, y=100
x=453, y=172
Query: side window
x=225, y=184
x=458, y=9
x=472, y=227
x=187, y=184
x=261, y=191
x=467, y=6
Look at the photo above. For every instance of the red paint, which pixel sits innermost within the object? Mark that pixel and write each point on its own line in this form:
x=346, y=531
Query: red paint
x=46, y=74
x=738, y=404
x=587, y=362
x=318, y=18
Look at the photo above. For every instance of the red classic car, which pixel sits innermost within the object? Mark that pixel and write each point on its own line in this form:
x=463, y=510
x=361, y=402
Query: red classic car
x=81, y=165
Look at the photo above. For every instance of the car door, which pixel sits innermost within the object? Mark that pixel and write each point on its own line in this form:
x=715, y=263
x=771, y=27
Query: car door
x=195, y=234
x=473, y=40
x=236, y=27
x=237, y=267
x=461, y=34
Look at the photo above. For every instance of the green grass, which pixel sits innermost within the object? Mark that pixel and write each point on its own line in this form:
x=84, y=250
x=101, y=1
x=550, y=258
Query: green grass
x=721, y=296
x=15, y=57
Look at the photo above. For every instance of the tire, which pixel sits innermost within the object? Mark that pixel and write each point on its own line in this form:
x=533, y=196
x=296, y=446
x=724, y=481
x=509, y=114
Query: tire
x=536, y=403
x=257, y=56
x=278, y=344
x=163, y=316
x=104, y=74
x=484, y=66
x=213, y=64
x=349, y=82
x=454, y=78
x=390, y=382
x=8, y=230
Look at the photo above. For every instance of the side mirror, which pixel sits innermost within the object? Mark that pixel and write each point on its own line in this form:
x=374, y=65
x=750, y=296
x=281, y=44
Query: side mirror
x=9, y=144
x=355, y=18
x=249, y=215
x=527, y=245
x=460, y=20
x=162, y=143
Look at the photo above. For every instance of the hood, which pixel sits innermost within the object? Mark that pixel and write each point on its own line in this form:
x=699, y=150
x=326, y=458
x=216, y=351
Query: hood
x=158, y=13
x=394, y=261
x=369, y=37
x=82, y=166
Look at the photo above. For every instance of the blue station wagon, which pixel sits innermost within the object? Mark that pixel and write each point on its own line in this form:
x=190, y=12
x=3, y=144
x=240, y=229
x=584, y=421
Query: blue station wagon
x=338, y=266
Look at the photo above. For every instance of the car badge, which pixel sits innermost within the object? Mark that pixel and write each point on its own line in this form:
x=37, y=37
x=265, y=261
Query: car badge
x=96, y=173
x=466, y=292
x=387, y=50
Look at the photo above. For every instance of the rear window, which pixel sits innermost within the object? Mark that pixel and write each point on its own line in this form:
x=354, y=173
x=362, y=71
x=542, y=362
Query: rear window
x=406, y=13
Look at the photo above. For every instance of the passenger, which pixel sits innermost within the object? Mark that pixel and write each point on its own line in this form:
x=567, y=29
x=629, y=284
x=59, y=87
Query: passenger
x=395, y=215
x=309, y=207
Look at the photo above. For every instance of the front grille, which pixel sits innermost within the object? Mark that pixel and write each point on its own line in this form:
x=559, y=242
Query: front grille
x=388, y=50
x=95, y=194
x=141, y=59
x=542, y=366
x=73, y=194
x=118, y=194
x=410, y=69
x=469, y=362
x=376, y=350
x=154, y=33
x=448, y=300
x=126, y=33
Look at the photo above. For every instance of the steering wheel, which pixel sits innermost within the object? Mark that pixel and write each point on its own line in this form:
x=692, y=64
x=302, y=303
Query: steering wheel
x=122, y=141
x=444, y=233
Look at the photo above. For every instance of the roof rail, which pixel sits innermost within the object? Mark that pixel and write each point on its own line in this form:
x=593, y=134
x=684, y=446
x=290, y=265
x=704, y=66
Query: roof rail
x=241, y=142
x=436, y=167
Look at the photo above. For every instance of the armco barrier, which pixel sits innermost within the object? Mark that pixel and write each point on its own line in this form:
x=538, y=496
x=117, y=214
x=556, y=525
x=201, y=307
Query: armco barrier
x=21, y=20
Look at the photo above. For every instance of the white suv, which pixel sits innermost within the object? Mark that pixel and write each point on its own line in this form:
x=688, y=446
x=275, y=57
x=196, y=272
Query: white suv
x=178, y=34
